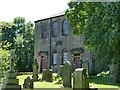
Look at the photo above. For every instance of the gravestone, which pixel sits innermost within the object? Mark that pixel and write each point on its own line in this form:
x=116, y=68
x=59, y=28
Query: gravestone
x=112, y=73
x=11, y=83
x=80, y=79
x=47, y=75
x=31, y=84
x=35, y=70
x=86, y=66
x=67, y=74
x=26, y=82
x=60, y=71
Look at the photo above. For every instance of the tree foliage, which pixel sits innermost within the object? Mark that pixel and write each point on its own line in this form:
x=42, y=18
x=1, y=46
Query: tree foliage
x=100, y=25
x=20, y=35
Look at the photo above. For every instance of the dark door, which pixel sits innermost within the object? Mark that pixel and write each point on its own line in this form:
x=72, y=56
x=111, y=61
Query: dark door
x=43, y=63
x=77, y=60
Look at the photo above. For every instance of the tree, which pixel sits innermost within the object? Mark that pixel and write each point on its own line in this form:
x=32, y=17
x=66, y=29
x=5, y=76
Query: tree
x=20, y=35
x=100, y=25
x=24, y=44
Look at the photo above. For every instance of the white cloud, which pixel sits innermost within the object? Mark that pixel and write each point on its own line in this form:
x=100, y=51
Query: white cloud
x=30, y=9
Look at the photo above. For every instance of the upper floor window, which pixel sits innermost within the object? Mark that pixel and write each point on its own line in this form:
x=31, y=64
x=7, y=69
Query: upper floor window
x=44, y=31
x=55, y=29
x=65, y=26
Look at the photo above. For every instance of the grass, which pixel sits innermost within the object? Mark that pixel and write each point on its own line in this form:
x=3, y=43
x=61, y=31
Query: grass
x=39, y=84
x=98, y=82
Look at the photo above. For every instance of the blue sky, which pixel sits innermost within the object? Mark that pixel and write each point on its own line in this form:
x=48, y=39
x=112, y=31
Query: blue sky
x=32, y=10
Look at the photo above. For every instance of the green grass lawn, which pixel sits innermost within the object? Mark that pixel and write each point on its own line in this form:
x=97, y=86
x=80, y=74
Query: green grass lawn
x=98, y=82
x=39, y=84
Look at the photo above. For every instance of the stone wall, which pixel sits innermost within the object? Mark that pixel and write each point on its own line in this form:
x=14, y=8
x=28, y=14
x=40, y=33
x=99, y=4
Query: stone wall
x=68, y=42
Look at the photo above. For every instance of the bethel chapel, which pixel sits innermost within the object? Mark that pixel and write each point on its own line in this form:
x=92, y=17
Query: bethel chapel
x=55, y=44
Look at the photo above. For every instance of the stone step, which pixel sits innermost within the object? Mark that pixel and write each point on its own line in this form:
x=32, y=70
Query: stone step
x=11, y=81
x=11, y=87
x=11, y=75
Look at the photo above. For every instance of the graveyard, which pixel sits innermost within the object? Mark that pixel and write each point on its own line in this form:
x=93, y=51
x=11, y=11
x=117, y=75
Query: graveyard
x=62, y=80
x=78, y=49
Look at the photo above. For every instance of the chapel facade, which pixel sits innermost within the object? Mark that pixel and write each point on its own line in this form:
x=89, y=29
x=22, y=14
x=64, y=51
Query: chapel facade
x=55, y=44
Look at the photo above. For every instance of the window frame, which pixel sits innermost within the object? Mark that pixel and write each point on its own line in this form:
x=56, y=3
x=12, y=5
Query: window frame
x=65, y=26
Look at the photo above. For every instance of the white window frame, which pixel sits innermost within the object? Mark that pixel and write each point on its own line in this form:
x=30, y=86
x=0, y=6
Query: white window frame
x=54, y=58
x=65, y=57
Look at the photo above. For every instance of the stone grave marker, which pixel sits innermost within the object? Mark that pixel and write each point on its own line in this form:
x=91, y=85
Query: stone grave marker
x=80, y=79
x=60, y=71
x=112, y=73
x=67, y=75
x=86, y=66
x=11, y=82
x=31, y=84
x=35, y=70
x=47, y=75
x=26, y=82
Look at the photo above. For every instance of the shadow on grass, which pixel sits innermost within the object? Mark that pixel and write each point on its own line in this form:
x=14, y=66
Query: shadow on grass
x=102, y=80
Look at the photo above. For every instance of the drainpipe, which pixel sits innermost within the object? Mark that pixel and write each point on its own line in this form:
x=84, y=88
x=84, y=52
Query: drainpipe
x=50, y=59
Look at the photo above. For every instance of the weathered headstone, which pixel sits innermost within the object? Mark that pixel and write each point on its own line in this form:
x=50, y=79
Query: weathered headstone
x=112, y=73
x=67, y=74
x=60, y=71
x=31, y=84
x=26, y=82
x=86, y=66
x=35, y=70
x=11, y=83
x=47, y=75
x=80, y=79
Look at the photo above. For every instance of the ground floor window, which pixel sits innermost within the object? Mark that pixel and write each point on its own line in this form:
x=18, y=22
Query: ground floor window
x=54, y=58
x=65, y=57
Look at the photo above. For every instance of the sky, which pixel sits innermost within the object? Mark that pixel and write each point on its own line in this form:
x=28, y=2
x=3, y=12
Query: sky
x=31, y=10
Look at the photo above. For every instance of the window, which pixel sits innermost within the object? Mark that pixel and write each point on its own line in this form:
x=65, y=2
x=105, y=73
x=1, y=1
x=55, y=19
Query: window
x=54, y=58
x=55, y=29
x=65, y=26
x=44, y=31
x=65, y=57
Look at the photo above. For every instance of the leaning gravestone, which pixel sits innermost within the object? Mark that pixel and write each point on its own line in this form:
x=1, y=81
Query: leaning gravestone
x=35, y=70
x=80, y=79
x=11, y=83
x=26, y=82
x=47, y=75
x=67, y=74
x=60, y=71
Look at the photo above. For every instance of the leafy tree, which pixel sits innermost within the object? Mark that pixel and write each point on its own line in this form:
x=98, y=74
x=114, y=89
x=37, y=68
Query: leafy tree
x=4, y=61
x=100, y=25
x=24, y=44
x=21, y=37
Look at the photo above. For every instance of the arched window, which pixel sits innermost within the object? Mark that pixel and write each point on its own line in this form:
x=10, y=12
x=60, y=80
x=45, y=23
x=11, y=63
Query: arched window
x=54, y=57
x=55, y=29
x=64, y=56
x=65, y=26
x=44, y=31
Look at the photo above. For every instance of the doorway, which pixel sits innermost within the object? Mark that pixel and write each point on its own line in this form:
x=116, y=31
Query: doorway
x=43, y=63
x=77, y=60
